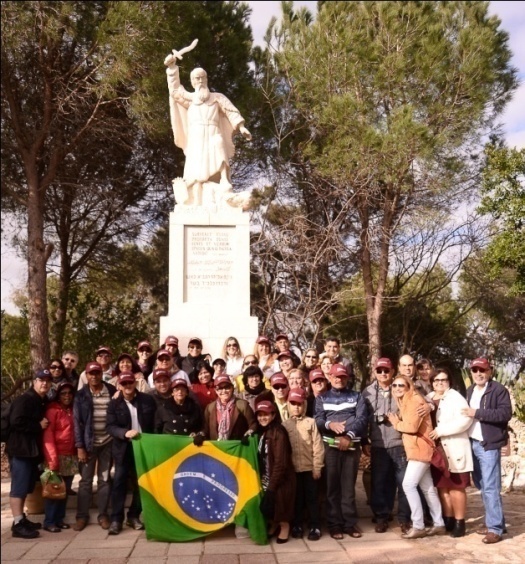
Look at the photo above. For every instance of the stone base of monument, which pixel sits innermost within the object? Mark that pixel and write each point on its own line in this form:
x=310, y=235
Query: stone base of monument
x=209, y=278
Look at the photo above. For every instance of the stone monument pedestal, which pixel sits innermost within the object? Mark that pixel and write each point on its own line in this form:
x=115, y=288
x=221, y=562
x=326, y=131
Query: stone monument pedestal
x=209, y=278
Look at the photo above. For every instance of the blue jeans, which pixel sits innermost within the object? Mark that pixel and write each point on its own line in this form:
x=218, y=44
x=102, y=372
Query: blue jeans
x=55, y=509
x=388, y=470
x=487, y=478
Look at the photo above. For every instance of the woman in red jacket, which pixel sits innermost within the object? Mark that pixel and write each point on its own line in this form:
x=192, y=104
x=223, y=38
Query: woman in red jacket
x=60, y=453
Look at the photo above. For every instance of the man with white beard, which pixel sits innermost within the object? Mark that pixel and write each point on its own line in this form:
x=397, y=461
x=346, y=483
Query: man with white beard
x=203, y=124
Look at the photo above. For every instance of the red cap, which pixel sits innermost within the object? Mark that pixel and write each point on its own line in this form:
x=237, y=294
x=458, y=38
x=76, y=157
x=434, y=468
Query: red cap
x=126, y=377
x=143, y=344
x=163, y=352
x=284, y=354
x=384, y=363
x=480, y=363
x=297, y=394
x=104, y=349
x=160, y=373
x=278, y=378
x=195, y=340
x=338, y=370
x=171, y=340
x=262, y=339
x=222, y=379
x=179, y=382
x=281, y=336
x=63, y=385
x=316, y=374
x=265, y=407
x=93, y=367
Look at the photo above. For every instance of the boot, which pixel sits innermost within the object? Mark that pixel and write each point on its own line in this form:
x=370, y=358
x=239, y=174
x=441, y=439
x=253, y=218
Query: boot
x=449, y=523
x=459, y=528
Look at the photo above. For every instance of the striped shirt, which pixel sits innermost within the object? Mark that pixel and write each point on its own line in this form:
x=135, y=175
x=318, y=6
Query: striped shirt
x=100, y=408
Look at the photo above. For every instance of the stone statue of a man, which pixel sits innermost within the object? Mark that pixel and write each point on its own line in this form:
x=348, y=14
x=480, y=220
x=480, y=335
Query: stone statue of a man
x=203, y=124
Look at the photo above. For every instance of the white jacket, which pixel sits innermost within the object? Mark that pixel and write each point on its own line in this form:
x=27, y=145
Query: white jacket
x=452, y=429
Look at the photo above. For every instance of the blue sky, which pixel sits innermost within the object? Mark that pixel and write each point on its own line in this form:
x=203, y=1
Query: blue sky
x=512, y=15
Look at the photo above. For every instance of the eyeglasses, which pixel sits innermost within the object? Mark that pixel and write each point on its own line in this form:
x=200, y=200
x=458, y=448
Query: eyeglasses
x=69, y=359
x=440, y=380
x=382, y=371
x=399, y=385
x=476, y=369
x=279, y=387
x=55, y=367
x=311, y=356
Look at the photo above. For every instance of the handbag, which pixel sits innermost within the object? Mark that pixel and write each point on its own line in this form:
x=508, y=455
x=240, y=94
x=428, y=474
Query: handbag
x=439, y=458
x=53, y=486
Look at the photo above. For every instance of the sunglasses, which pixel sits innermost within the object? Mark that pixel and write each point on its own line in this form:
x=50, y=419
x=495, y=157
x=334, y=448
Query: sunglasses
x=440, y=379
x=319, y=381
x=145, y=350
x=251, y=362
x=55, y=367
x=399, y=385
x=225, y=388
x=97, y=373
x=382, y=371
x=311, y=356
x=103, y=354
x=476, y=370
x=125, y=384
x=279, y=387
x=232, y=345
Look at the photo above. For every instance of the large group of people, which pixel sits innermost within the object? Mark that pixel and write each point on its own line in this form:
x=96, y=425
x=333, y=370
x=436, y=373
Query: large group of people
x=311, y=425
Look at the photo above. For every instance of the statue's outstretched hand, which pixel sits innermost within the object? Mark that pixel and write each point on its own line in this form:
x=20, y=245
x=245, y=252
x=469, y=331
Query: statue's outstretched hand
x=245, y=133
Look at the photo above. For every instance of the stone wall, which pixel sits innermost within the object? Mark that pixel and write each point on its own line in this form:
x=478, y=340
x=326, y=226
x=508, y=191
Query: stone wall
x=513, y=465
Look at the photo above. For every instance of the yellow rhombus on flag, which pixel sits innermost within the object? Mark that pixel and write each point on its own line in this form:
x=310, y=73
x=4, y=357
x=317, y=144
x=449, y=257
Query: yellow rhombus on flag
x=189, y=491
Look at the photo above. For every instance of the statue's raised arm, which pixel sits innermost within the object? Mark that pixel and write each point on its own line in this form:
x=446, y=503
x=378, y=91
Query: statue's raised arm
x=203, y=124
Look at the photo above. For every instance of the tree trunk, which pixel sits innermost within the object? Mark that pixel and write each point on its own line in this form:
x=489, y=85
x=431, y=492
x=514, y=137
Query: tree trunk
x=36, y=277
x=58, y=328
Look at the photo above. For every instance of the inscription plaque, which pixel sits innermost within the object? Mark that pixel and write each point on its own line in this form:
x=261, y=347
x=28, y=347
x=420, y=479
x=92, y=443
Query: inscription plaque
x=208, y=264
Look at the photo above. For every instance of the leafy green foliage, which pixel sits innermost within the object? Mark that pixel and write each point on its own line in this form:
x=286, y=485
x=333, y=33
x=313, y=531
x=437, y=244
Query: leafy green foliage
x=503, y=191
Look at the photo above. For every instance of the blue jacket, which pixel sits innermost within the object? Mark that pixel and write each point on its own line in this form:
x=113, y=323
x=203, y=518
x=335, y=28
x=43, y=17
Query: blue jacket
x=340, y=406
x=494, y=413
x=83, y=416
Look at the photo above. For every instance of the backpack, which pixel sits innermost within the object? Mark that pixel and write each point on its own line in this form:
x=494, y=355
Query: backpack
x=6, y=424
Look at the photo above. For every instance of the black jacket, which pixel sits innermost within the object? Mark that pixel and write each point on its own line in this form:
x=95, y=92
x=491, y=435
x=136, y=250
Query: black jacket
x=25, y=435
x=83, y=416
x=118, y=421
x=172, y=418
x=494, y=413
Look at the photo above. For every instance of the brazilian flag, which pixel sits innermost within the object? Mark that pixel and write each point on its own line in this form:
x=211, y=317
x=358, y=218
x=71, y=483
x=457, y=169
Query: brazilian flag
x=188, y=491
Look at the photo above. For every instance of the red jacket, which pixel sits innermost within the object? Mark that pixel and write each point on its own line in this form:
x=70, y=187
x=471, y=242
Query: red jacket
x=59, y=437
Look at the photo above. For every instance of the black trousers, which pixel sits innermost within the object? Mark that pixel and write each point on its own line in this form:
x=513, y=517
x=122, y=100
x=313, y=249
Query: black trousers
x=306, y=497
x=341, y=475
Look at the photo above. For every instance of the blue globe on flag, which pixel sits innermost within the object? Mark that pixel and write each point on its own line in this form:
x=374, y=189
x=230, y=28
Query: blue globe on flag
x=205, y=489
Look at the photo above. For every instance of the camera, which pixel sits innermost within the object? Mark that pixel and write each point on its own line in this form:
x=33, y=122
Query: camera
x=381, y=419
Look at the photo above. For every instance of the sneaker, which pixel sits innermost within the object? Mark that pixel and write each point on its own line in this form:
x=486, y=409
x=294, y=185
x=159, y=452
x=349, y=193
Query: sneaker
x=22, y=531
x=31, y=524
x=314, y=535
x=297, y=532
